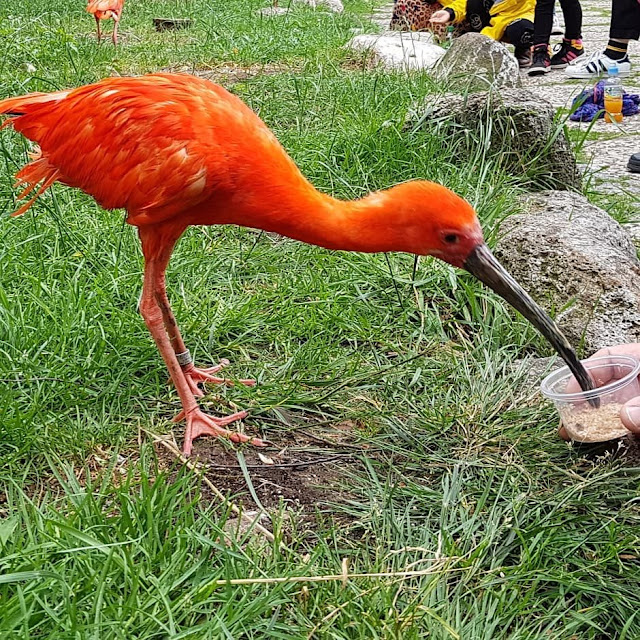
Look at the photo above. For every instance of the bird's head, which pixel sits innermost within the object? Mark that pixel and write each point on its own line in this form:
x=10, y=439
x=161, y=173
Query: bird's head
x=434, y=221
x=439, y=223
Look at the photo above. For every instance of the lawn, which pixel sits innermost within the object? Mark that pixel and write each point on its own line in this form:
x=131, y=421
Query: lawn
x=420, y=449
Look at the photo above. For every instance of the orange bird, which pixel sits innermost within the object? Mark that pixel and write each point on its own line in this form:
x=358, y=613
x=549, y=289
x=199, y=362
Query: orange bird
x=103, y=10
x=175, y=151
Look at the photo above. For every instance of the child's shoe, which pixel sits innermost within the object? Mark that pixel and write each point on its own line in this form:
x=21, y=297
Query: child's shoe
x=523, y=56
x=595, y=65
x=566, y=53
x=541, y=60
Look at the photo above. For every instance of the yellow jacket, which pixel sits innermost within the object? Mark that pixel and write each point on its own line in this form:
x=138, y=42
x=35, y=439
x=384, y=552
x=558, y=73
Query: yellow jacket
x=503, y=13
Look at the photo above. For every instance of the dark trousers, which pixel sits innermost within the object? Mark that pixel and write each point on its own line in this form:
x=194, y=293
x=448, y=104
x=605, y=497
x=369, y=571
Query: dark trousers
x=478, y=15
x=572, y=12
x=625, y=20
x=518, y=33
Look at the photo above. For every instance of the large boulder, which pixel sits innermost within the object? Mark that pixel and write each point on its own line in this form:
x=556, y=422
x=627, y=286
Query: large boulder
x=524, y=132
x=476, y=63
x=575, y=259
x=398, y=50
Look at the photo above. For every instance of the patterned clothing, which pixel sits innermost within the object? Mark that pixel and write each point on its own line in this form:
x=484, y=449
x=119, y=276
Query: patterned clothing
x=414, y=15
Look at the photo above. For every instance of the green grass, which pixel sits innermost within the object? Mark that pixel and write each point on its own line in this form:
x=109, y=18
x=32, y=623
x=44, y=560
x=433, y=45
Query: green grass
x=460, y=473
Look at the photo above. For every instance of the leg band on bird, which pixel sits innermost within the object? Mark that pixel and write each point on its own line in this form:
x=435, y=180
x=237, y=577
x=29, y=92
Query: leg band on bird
x=184, y=358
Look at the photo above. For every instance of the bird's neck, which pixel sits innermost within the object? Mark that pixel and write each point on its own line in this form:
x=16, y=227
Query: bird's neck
x=303, y=213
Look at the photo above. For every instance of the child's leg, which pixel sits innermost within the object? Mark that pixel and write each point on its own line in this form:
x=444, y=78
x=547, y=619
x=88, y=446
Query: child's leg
x=519, y=33
x=572, y=12
x=541, y=63
x=625, y=26
x=625, y=21
x=571, y=46
x=543, y=21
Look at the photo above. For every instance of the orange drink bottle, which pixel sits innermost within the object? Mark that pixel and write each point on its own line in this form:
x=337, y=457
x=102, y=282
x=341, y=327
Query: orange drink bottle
x=613, y=92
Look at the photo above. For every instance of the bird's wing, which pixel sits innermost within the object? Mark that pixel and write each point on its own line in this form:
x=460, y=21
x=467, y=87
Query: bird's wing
x=155, y=145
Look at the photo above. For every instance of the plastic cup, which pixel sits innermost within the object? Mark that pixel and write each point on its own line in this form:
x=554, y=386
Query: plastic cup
x=616, y=379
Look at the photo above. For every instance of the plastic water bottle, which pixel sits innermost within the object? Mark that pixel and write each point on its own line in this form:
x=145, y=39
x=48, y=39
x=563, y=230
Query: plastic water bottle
x=613, y=92
x=449, y=40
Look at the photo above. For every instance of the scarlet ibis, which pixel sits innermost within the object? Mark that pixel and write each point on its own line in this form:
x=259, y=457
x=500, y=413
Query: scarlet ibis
x=103, y=10
x=176, y=150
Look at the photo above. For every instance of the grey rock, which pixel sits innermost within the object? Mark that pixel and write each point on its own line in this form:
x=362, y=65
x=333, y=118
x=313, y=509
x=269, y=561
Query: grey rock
x=575, y=259
x=475, y=62
x=524, y=133
x=398, y=50
x=633, y=229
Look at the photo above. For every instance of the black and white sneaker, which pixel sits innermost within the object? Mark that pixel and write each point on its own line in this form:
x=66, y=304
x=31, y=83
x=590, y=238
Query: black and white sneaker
x=596, y=65
x=541, y=60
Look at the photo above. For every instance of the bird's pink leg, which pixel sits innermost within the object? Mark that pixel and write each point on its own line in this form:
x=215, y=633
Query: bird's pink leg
x=198, y=423
x=114, y=37
x=98, y=28
x=193, y=374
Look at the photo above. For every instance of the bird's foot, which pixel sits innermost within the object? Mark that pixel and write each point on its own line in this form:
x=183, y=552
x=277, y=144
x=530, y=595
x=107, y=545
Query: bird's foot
x=201, y=424
x=195, y=376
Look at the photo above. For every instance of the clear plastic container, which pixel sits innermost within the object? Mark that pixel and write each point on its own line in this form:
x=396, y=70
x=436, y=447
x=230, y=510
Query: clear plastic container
x=613, y=92
x=616, y=379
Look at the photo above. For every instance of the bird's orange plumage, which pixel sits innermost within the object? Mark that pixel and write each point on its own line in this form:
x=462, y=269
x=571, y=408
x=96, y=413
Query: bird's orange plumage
x=103, y=10
x=175, y=150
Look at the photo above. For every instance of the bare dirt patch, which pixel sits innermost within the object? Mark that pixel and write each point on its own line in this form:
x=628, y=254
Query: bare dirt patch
x=303, y=472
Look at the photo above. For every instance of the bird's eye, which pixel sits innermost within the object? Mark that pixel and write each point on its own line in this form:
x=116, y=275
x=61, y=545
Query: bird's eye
x=450, y=238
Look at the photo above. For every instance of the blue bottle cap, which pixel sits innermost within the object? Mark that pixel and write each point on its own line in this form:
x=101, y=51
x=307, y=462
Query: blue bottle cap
x=613, y=70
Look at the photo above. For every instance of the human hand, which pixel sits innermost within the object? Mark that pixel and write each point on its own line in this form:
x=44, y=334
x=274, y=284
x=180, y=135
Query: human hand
x=630, y=412
x=440, y=17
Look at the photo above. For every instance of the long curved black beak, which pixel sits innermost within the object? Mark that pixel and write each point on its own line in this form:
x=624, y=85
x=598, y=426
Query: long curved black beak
x=484, y=266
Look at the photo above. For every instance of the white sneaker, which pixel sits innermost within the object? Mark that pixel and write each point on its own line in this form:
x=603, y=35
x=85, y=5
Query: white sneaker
x=556, y=29
x=595, y=65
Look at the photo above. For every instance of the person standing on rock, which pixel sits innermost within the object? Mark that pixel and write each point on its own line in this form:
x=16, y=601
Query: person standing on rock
x=571, y=47
x=625, y=26
x=509, y=21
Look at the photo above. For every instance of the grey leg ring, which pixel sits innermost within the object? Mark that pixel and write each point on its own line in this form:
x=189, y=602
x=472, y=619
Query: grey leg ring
x=184, y=358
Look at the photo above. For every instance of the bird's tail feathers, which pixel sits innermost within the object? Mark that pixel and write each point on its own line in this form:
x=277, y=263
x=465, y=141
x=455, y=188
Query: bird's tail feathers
x=37, y=172
x=22, y=104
